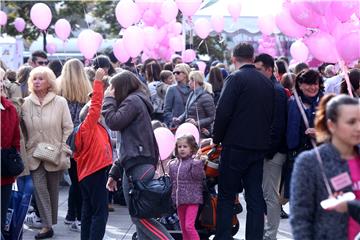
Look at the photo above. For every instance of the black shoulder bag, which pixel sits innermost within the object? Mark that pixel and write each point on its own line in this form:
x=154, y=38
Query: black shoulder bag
x=11, y=162
x=150, y=199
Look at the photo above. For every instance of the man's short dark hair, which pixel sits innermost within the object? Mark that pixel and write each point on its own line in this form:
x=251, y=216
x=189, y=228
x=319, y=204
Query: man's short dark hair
x=300, y=67
x=281, y=66
x=38, y=53
x=266, y=59
x=243, y=51
x=285, y=59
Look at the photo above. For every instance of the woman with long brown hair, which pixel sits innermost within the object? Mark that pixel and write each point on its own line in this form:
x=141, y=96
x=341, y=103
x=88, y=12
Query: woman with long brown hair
x=127, y=109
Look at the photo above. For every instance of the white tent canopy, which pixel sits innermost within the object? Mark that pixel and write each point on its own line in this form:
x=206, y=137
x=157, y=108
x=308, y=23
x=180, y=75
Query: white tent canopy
x=250, y=10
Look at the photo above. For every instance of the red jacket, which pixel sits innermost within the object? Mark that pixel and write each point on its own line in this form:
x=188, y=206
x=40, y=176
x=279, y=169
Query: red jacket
x=92, y=141
x=10, y=132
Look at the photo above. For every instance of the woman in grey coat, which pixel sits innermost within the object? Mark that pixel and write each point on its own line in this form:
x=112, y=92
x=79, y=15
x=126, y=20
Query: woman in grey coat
x=200, y=106
x=337, y=124
x=177, y=95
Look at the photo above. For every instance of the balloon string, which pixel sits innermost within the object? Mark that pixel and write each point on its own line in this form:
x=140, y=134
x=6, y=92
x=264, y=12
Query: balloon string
x=346, y=76
x=88, y=25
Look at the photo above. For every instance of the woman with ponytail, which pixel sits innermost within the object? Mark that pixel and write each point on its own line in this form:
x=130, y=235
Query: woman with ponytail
x=337, y=126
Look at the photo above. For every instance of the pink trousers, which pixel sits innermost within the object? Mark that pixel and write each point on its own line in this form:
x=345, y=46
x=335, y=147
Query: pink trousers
x=187, y=216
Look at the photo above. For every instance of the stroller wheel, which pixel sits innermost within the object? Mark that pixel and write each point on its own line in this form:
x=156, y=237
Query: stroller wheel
x=134, y=236
x=235, y=228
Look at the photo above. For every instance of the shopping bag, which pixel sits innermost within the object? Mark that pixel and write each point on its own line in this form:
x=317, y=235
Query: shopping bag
x=16, y=213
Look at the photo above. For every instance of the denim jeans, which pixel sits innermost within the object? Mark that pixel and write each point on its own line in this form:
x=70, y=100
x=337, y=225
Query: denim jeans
x=240, y=168
x=5, y=202
x=94, y=206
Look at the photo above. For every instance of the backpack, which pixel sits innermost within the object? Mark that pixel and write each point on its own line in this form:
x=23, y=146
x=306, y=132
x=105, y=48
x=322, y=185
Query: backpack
x=71, y=139
x=156, y=100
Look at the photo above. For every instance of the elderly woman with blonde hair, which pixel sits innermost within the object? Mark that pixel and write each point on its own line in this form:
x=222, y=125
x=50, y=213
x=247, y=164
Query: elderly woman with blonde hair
x=48, y=124
x=177, y=95
x=200, y=106
x=74, y=87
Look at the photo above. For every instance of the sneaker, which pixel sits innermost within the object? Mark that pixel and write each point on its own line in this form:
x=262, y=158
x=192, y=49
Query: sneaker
x=75, y=226
x=283, y=214
x=68, y=220
x=33, y=221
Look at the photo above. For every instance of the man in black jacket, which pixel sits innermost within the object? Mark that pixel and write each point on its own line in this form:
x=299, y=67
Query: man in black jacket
x=276, y=156
x=242, y=124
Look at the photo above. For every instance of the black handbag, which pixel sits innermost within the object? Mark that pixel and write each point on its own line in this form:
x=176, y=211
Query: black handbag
x=150, y=199
x=11, y=163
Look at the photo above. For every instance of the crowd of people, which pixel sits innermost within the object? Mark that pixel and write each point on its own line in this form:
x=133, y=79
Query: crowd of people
x=286, y=134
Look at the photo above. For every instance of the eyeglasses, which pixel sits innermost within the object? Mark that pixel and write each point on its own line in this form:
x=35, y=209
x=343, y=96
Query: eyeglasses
x=42, y=62
x=177, y=72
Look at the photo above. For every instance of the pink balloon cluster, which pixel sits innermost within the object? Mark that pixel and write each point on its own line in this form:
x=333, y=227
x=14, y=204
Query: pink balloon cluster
x=330, y=28
x=158, y=35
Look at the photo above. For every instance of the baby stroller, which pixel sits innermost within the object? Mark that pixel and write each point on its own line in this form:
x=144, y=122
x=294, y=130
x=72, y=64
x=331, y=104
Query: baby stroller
x=206, y=220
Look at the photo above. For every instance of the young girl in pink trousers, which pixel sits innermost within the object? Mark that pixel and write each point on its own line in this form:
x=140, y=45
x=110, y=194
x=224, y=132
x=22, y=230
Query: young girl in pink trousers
x=187, y=174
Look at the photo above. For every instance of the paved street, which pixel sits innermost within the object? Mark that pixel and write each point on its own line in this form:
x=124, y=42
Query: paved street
x=119, y=226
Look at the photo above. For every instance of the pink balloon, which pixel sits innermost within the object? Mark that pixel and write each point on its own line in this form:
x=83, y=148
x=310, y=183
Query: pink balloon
x=98, y=39
x=234, y=8
x=299, y=51
x=217, y=22
x=202, y=27
x=344, y=9
x=201, y=66
x=142, y=4
x=3, y=18
x=149, y=17
x=176, y=43
x=169, y=10
x=187, y=128
x=188, y=7
x=166, y=142
x=288, y=26
x=41, y=15
x=120, y=51
x=127, y=13
x=348, y=46
x=267, y=24
x=304, y=15
x=134, y=40
x=62, y=29
x=19, y=24
x=177, y=28
x=88, y=43
x=322, y=46
x=320, y=6
x=188, y=55
x=51, y=47
x=150, y=34
x=155, y=6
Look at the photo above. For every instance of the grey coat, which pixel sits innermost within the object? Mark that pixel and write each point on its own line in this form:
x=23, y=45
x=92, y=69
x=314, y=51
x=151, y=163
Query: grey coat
x=202, y=105
x=187, y=181
x=307, y=218
x=132, y=119
x=175, y=100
